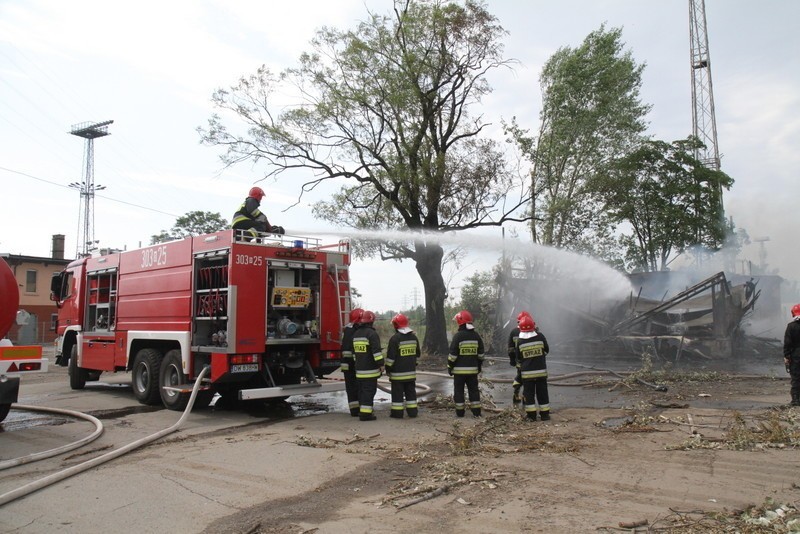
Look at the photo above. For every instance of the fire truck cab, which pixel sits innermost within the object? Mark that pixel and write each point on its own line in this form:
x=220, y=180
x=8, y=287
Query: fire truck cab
x=265, y=314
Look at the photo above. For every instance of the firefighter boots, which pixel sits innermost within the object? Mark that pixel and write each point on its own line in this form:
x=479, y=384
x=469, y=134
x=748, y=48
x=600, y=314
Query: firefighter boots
x=367, y=417
x=517, y=398
x=795, y=401
x=531, y=416
x=396, y=414
x=460, y=413
x=545, y=416
x=354, y=412
x=476, y=412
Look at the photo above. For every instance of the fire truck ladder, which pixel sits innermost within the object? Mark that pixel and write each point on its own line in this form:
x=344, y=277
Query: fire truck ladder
x=341, y=279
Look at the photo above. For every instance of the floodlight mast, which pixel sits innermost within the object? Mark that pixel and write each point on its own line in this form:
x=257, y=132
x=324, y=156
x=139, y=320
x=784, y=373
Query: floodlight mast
x=704, y=122
x=89, y=131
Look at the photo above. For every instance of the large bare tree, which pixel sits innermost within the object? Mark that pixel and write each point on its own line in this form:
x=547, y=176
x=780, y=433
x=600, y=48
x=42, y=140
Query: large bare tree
x=388, y=110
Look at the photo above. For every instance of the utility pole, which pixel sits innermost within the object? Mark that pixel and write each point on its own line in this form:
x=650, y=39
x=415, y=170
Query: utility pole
x=89, y=131
x=762, y=253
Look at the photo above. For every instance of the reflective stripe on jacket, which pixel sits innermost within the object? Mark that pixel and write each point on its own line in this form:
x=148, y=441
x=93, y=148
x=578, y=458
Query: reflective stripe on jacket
x=402, y=353
x=248, y=211
x=531, y=353
x=466, y=352
x=367, y=352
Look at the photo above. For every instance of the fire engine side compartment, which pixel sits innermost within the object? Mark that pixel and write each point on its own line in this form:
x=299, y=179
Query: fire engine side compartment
x=248, y=275
x=155, y=288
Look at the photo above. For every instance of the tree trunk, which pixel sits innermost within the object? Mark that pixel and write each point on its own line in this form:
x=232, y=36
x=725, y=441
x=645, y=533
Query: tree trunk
x=428, y=259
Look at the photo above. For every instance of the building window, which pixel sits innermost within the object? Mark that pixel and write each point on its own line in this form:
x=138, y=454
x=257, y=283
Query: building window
x=53, y=321
x=30, y=281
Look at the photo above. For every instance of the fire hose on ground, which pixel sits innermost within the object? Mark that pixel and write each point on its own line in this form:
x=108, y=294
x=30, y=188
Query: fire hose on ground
x=35, y=457
x=79, y=468
x=555, y=379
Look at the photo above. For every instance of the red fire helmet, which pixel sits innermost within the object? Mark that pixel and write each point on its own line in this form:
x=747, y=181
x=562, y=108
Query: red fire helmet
x=400, y=321
x=256, y=193
x=463, y=317
x=367, y=317
x=795, y=310
x=355, y=315
x=527, y=324
x=522, y=314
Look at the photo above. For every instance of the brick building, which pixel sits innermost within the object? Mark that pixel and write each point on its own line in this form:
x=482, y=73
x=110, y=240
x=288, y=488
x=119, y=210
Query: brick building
x=33, y=278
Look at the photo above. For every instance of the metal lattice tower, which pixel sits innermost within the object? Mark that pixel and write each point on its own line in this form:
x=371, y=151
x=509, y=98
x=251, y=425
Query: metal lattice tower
x=704, y=123
x=89, y=131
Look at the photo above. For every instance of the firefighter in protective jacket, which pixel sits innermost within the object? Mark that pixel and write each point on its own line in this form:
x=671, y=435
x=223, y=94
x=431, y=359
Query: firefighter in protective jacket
x=249, y=217
x=348, y=366
x=402, y=353
x=791, y=353
x=532, y=350
x=369, y=364
x=464, y=363
x=513, y=337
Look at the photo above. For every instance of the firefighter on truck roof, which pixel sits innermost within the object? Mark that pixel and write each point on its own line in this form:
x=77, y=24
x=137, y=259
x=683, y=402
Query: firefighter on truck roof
x=249, y=217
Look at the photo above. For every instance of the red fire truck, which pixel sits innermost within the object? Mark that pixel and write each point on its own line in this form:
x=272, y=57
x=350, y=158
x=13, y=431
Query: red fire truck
x=265, y=314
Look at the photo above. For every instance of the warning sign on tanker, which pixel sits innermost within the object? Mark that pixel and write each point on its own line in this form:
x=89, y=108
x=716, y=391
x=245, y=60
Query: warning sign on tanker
x=291, y=297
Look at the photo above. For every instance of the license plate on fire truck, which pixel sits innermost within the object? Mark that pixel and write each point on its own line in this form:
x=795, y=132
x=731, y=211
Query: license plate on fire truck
x=244, y=368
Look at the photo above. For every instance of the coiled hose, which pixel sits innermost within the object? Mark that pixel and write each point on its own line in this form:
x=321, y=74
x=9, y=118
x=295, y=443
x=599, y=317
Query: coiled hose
x=35, y=457
x=80, y=468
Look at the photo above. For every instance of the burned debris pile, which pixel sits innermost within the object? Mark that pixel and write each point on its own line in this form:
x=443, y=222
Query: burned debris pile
x=703, y=321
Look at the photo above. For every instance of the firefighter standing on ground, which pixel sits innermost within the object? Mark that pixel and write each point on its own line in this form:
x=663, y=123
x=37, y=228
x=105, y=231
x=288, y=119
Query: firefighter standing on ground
x=369, y=364
x=513, y=337
x=791, y=353
x=532, y=349
x=249, y=217
x=402, y=353
x=348, y=366
x=464, y=364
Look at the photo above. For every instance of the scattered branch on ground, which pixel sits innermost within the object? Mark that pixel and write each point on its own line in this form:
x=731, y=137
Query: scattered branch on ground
x=508, y=431
x=776, y=429
x=327, y=443
x=768, y=517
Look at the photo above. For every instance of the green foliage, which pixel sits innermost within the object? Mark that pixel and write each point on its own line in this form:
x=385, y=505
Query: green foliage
x=670, y=200
x=193, y=223
x=591, y=114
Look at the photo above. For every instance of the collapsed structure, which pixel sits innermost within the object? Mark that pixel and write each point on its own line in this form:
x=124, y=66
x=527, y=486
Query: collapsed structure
x=705, y=319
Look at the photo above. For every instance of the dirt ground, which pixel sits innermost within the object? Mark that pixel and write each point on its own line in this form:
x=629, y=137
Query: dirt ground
x=713, y=453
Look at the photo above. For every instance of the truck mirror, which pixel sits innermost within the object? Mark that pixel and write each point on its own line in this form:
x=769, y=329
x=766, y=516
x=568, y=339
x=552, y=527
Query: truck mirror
x=56, y=288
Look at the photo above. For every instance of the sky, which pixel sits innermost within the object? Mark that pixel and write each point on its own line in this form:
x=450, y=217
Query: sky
x=151, y=67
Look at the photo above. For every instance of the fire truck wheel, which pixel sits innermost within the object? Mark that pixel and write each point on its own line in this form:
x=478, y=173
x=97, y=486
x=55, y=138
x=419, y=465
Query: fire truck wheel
x=171, y=374
x=77, y=375
x=144, y=376
x=4, y=408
